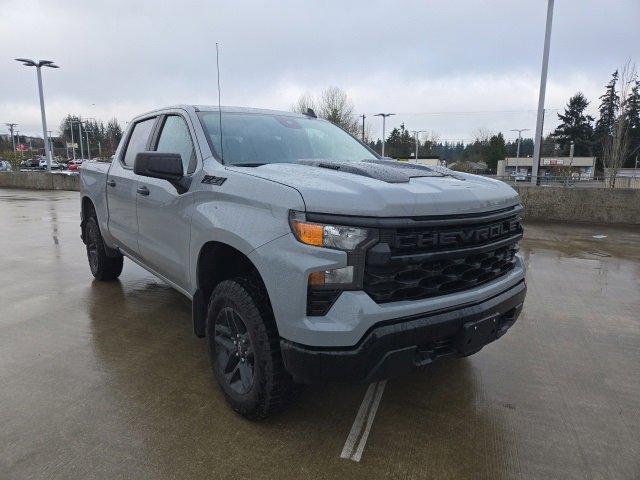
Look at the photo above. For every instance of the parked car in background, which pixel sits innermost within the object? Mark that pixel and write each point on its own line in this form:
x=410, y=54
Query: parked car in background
x=519, y=176
x=74, y=165
x=30, y=164
x=42, y=165
x=5, y=166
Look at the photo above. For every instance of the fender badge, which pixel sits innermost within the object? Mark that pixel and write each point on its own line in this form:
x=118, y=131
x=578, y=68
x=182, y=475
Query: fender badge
x=211, y=180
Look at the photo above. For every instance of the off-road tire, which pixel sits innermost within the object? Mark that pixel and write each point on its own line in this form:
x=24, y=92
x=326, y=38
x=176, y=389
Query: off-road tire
x=102, y=267
x=272, y=388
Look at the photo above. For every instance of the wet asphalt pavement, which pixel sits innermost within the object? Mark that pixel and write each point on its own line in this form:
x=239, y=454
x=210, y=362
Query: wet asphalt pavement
x=107, y=380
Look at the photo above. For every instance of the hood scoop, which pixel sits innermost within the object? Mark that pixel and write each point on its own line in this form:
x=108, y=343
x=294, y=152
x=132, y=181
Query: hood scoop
x=390, y=171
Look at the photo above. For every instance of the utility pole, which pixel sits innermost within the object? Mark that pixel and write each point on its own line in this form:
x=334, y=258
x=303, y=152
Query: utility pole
x=384, y=118
x=363, y=117
x=416, y=134
x=13, y=140
x=543, y=88
x=18, y=142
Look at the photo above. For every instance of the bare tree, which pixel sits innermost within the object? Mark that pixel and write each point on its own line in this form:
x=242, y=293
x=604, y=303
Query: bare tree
x=304, y=103
x=333, y=105
x=615, y=147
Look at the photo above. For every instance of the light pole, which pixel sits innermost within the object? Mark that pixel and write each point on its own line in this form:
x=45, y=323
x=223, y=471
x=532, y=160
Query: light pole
x=519, y=130
x=543, y=88
x=13, y=140
x=50, y=143
x=79, y=123
x=416, y=133
x=39, y=65
x=384, y=118
x=73, y=143
x=363, y=117
x=86, y=131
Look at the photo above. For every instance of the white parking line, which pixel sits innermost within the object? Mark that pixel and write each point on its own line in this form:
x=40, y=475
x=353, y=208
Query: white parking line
x=364, y=419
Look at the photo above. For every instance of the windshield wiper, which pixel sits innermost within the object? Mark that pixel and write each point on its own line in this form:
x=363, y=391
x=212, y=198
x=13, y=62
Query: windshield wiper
x=246, y=164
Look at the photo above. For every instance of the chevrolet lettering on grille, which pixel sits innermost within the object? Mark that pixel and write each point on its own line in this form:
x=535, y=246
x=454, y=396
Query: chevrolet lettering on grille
x=465, y=236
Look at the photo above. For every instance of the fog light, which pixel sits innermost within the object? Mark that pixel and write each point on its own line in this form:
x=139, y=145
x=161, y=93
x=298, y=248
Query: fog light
x=332, y=277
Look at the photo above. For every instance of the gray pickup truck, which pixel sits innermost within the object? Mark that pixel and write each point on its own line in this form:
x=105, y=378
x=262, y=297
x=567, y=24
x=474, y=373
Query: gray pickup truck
x=307, y=256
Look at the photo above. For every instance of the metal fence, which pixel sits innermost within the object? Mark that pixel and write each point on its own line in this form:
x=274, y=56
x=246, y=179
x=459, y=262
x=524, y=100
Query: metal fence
x=569, y=182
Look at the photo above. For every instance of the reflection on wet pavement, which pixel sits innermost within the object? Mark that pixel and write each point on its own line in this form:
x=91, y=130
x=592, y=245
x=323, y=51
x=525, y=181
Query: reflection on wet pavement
x=106, y=380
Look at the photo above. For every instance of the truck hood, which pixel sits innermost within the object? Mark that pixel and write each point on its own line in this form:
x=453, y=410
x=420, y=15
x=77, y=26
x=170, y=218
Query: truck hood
x=386, y=188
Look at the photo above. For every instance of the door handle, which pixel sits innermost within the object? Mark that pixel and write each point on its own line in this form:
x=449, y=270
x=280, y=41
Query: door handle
x=143, y=191
x=111, y=183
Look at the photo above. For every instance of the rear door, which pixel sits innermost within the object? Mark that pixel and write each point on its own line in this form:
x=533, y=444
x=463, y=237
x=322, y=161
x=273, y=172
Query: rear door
x=122, y=186
x=164, y=215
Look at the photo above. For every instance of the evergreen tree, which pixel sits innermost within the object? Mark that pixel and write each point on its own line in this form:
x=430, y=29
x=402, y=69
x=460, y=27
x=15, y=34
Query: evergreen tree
x=399, y=144
x=495, y=150
x=632, y=116
x=575, y=126
x=609, y=105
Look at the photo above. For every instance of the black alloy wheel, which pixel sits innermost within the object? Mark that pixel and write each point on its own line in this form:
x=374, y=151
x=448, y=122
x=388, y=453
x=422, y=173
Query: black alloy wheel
x=234, y=351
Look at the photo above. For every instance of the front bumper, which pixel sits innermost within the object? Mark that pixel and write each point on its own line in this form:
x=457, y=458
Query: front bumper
x=407, y=344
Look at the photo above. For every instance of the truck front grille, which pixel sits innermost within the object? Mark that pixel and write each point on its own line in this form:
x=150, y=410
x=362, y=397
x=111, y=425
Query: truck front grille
x=428, y=261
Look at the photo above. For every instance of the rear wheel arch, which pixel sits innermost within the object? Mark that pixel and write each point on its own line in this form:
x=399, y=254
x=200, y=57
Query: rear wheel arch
x=218, y=261
x=87, y=210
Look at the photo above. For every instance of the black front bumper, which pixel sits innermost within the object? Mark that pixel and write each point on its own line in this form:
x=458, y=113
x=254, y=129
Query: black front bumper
x=408, y=344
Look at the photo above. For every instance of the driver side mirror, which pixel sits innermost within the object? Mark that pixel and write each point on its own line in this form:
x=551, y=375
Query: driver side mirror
x=165, y=166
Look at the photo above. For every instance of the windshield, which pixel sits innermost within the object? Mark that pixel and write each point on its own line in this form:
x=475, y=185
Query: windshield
x=257, y=138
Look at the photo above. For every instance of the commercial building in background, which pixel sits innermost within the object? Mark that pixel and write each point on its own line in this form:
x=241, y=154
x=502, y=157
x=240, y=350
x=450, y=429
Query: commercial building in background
x=582, y=168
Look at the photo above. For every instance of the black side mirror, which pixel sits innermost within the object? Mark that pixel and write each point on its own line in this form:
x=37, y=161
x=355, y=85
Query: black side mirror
x=165, y=166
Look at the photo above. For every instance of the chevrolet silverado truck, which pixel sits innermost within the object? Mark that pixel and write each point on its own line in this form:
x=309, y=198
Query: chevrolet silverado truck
x=307, y=256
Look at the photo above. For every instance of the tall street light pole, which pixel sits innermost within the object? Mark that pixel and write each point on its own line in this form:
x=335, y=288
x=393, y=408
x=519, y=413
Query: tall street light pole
x=86, y=131
x=39, y=64
x=13, y=140
x=543, y=88
x=416, y=133
x=384, y=118
x=519, y=130
x=73, y=144
x=363, y=117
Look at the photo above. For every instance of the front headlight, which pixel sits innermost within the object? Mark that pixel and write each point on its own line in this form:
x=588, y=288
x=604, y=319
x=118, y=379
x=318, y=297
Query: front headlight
x=330, y=236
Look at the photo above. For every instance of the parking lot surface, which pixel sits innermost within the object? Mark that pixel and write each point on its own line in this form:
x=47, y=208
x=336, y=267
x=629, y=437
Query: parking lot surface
x=107, y=380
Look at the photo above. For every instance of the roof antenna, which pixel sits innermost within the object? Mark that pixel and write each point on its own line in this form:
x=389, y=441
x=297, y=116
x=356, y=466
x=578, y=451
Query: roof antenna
x=219, y=104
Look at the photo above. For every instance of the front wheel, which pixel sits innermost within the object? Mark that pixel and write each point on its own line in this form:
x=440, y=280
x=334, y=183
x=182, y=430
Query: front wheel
x=244, y=349
x=102, y=266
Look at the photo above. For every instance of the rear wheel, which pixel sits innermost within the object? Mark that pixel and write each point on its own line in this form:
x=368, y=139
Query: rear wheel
x=102, y=266
x=244, y=349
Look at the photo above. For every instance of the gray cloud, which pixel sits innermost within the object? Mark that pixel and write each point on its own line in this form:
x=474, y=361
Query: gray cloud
x=122, y=57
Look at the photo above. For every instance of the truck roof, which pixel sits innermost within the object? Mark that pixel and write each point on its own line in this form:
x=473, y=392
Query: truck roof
x=228, y=109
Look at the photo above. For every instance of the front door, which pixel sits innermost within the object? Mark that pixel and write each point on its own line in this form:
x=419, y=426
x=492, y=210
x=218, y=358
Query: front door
x=122, y=186
x=164, y=215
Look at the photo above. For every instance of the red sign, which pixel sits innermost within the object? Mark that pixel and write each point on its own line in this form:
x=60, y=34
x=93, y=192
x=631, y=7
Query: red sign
x=21, y=147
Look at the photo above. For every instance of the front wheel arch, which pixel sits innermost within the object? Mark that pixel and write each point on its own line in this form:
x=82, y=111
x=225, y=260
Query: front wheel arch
x=217, y=262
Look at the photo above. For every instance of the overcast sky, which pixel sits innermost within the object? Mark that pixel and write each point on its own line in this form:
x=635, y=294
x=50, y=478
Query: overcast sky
x=450, y=66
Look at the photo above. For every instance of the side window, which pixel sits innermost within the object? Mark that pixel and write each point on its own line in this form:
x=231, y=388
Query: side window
x=138, y=140
x=175, y=138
